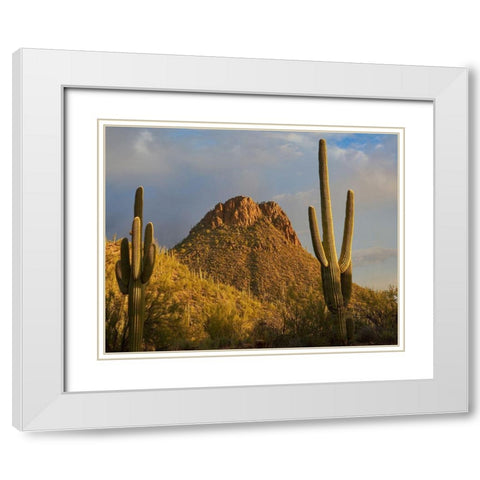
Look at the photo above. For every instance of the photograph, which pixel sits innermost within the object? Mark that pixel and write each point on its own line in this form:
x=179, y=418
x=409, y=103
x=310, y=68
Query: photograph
x=249, y=237
x=241, y=240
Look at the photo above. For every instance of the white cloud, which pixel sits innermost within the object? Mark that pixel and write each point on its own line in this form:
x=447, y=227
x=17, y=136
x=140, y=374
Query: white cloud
x=290, y=149
x=372, y=176
x=144, y=142
x=297, y=197
x=349, y=157
x=300, y=139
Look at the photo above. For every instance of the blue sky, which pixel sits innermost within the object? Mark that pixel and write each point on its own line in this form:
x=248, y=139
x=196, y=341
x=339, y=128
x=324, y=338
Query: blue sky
x=186, y=172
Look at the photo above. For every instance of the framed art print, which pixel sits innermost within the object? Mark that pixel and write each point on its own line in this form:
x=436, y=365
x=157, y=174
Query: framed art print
x=197, y=244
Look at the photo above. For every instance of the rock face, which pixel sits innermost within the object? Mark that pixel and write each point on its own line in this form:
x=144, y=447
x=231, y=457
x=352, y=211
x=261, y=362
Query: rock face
x=280, y=221
x=244, y=212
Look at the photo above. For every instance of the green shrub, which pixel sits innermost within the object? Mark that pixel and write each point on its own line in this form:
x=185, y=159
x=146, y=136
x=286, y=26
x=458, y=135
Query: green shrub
x=225, y=327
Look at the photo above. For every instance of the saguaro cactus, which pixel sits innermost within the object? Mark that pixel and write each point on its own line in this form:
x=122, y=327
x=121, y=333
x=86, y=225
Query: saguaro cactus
x=132, y=274
x=336, y=274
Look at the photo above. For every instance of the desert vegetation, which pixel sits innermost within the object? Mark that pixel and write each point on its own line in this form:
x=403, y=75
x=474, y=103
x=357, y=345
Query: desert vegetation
x=188, y=310
x=241, y=279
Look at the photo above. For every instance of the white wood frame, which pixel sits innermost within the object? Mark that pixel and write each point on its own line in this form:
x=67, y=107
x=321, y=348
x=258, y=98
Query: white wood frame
x=39, y=400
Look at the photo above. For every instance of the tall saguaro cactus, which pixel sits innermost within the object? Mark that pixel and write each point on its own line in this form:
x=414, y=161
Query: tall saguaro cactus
x=134, y=271
x=336, y=273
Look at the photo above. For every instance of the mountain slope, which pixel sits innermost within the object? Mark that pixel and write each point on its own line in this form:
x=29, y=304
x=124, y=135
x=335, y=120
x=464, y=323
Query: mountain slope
x=252, y=247
x=184, y=310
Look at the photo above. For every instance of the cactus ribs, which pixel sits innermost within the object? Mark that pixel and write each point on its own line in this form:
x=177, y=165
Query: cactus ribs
x=133, y=275
x=336, y=274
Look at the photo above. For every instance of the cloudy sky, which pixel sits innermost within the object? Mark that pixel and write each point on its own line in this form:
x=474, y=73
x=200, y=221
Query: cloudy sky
x=185, y=172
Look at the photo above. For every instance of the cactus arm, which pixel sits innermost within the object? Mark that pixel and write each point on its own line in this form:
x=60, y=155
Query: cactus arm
x=149, y=253
x=138, y=205
x=148, y=238
x=326, y=204
x=317, y=243
x=136, y=248
x=346, y=283
x=125, y=260
x=346, y=252
x=120, y=280
x=148, y=263
x=122, y=267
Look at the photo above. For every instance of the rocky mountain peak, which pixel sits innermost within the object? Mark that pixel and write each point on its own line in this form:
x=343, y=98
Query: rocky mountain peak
x=243, y=212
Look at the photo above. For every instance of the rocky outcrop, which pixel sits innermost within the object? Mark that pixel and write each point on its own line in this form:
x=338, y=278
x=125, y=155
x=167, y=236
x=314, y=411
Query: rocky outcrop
x=244, y=212
x=252, y=247
x=274, y=213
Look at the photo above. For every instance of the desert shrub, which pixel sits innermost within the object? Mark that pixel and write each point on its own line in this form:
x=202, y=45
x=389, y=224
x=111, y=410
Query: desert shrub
x=225, y=327
x=376, y=316
x=305, y=323
x=365, y=334
x=187, y=309
x=166, y=326
x=116, y=320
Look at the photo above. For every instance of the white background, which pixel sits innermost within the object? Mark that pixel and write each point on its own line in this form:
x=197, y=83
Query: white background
x=410, y=32
x=85, y=373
